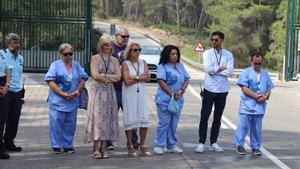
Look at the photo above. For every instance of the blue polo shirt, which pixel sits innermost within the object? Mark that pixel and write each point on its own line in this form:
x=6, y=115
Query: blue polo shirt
x=3, y=64
x=15, y=65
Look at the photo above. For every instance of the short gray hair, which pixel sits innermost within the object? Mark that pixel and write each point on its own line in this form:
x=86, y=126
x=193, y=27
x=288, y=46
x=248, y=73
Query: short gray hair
x=12, y=36
x=121, y=29
x=64, y=46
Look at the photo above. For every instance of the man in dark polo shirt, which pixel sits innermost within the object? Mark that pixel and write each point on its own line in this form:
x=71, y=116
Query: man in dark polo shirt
x=120, y=41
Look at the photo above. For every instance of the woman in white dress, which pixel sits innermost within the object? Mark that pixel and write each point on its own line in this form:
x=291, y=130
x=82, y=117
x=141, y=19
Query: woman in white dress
x=134, y=97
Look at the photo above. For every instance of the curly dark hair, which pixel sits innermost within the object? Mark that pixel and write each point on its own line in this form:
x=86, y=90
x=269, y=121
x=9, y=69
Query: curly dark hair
x=165, y=54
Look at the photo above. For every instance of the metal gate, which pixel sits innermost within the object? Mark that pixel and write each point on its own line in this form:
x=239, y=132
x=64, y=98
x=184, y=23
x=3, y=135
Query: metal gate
x=44, y=24
x=292, y=58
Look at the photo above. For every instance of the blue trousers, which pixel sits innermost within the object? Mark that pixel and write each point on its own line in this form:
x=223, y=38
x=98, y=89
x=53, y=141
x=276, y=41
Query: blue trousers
x=246, y=122
x=62, y=127
x=166, y=128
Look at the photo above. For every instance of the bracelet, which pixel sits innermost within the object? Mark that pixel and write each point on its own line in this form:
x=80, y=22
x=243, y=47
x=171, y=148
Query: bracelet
x=182, y=90
x=76, y=91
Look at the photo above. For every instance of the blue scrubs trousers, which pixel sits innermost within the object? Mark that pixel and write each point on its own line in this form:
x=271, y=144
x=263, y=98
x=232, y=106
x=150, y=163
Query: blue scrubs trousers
x=62, y=127
x=246, y=122
x=166, y=128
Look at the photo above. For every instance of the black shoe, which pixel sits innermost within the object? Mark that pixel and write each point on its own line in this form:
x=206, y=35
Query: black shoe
x=56, y=150
x=69, y=150
x=256, y=152
x=136, y=146
x=4, y=155
x=12, y=147
x=241, y=151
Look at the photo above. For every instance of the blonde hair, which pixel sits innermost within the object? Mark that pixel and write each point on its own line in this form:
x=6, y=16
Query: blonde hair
x=127, y=50
x=64, y=46
x=102, y=41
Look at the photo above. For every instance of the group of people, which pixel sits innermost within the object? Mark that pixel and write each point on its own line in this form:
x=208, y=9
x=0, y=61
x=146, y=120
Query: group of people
x=118, y=82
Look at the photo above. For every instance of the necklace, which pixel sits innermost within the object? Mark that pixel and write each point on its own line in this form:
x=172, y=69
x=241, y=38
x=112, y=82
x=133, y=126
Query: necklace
x=137, y=70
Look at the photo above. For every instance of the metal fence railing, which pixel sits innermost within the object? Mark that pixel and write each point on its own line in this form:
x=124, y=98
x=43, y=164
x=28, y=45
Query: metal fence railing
x=44, y=25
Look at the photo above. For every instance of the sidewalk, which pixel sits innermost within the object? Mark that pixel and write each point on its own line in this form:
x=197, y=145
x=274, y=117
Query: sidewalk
x=34, y=138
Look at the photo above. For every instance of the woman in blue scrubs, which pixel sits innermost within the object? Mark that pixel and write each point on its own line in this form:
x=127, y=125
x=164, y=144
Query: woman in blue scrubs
x=65, y=79
x=173, y=80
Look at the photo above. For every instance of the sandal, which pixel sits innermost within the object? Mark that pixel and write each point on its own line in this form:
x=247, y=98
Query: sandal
x=97, y=155
x=131, y=151
x=104, y=154
x=144, y=151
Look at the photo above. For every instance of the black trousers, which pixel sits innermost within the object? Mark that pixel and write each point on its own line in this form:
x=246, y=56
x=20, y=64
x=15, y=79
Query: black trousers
x=3, y=117
x=3, y=112
x=209, y=99
x=14, y=112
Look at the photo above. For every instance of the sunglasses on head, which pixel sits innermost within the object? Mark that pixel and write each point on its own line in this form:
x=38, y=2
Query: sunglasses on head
x=124, y=36
x=256, y=64
x=135, y=50
x=214, y=40
x=67, y=54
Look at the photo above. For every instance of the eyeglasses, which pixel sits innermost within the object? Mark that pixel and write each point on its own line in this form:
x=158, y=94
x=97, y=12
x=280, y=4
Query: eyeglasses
x=256, y=64
x=124, y=36
x=137, y=49
x=214, y=40
x=67, y=54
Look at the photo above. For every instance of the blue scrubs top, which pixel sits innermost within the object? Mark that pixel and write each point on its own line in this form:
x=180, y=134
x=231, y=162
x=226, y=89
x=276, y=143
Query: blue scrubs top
x=174, y=79
x=67, y=82
x=15, y=65
x=248, y=78
x=3, y=65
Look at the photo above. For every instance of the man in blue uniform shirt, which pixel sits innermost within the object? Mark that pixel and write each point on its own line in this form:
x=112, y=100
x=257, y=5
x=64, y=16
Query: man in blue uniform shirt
x=15, y=63
x=4, y=84
x=256, y=86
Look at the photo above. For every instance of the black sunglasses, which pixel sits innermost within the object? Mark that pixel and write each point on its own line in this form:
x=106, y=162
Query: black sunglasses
x=67, y=54
x=124, y=36
x=137, y=49
x=256, y=64
x=214, y=40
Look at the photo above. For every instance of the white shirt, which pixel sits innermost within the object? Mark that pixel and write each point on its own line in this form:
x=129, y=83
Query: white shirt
x=213, y=60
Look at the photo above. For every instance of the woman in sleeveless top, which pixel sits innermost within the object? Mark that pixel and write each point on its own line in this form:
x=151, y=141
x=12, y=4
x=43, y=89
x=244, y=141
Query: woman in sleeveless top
x=134, y=97
x=102, y=115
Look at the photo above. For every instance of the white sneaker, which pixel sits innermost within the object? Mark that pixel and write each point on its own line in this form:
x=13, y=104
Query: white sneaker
x=215, y=147
x=200, y=148
x=158, y=150
x=175, y=150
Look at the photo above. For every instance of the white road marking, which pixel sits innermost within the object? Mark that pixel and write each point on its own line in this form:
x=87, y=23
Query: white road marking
x=233, y=126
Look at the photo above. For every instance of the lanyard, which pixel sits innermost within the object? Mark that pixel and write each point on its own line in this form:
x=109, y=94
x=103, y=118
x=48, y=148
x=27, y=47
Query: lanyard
x=106, y=64
x=137, y=70
x=258, y=79
x=218, y=60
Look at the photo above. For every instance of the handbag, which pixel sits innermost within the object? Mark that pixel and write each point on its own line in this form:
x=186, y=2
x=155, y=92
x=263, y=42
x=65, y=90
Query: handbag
x=83, y=99
x=173, y=106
